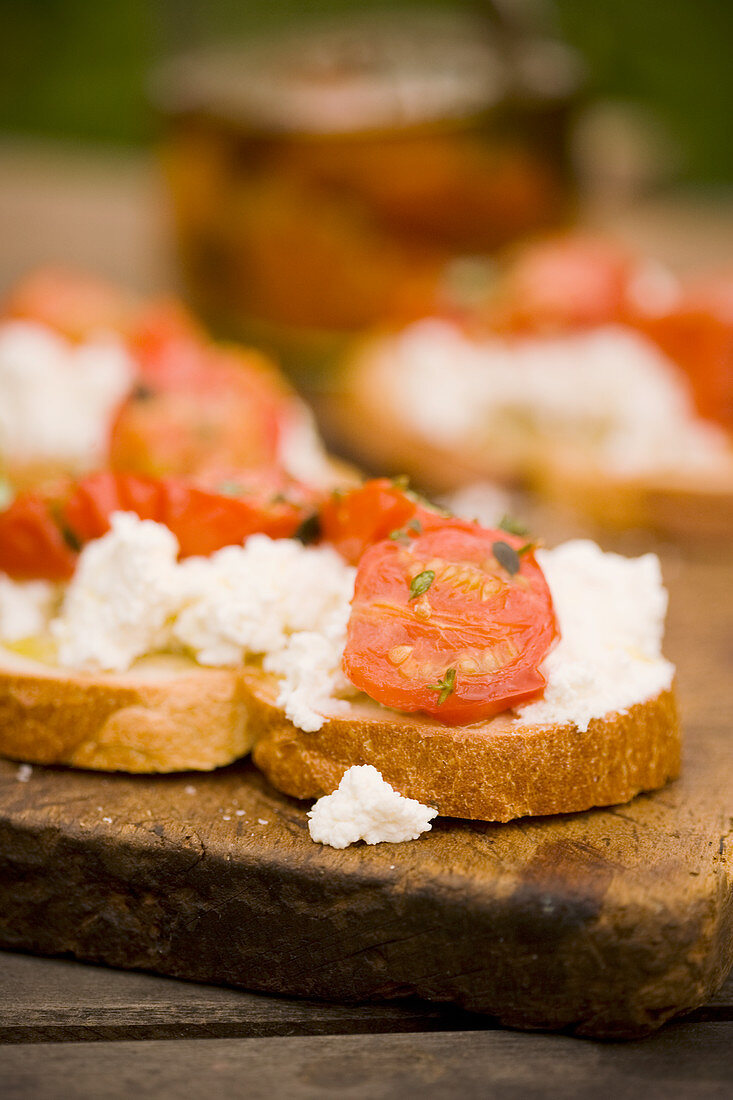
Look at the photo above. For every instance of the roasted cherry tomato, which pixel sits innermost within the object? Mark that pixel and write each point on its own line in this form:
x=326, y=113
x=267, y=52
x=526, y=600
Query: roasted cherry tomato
x=353, y=521
x=204, y=515
x=74, y=304
x=454, y=623
x=34, y=540
x=41, y=534
x=199, y=407
x=697, y=334
x=563, y=283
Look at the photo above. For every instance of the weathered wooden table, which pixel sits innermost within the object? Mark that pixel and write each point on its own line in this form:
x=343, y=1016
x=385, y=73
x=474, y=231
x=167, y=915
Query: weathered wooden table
x=73, y=1031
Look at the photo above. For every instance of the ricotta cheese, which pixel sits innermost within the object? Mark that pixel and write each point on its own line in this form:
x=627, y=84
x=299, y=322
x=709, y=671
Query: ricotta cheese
x=609, y=392
x=25, y=608
x=57, y=399
x=365, y=807
x=611, y=612
x=277, y=599
x=272, y=599
x=121, y=598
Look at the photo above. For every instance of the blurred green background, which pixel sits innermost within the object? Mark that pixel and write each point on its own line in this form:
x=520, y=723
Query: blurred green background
x=77, y=68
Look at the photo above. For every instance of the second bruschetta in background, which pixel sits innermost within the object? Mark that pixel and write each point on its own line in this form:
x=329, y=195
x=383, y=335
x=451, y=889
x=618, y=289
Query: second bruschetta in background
x=93, y=377
x=582, y=373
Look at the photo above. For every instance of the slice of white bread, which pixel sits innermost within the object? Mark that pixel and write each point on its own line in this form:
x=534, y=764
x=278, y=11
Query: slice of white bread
x=165, y=714
x=494, y=770
x=362, y=417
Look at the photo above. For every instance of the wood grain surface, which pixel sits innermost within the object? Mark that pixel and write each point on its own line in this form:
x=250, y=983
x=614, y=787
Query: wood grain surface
x=44, y=1000
x=603, y=923
x=685, y=1062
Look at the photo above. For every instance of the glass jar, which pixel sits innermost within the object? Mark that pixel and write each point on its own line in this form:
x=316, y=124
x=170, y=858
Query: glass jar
x=322, y=180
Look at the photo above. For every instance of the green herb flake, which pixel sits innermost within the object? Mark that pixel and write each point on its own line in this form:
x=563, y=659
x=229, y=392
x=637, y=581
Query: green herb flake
x=421, y=583
x=70, y=538
x=309, y=530
x=526, y=549
x=142, y=392
x=446, y=686
x=230, y=488
x=507, y=557
x=512, y=526
x=404, y=534
x=402, y=481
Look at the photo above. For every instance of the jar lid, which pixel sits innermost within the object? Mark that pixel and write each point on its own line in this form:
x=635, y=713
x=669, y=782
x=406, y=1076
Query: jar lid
x=384, y=70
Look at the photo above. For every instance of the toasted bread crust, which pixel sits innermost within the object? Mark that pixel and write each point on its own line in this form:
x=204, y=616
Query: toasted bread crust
x=173, y=719
x=492, y=771
x=178, y=717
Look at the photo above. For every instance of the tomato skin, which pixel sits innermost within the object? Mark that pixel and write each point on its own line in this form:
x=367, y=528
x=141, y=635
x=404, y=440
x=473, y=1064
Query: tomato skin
x=354, y=521
x=32, y=540
x=69, y=302
x=205, y=519
x=492, y=629
x=562, y=284
x=202, y=518
x=40, y=534
x=198, y=407
x=697, y=335
x=89, y=507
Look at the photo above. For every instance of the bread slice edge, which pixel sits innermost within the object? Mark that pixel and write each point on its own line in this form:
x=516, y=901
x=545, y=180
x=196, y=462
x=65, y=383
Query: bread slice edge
x=492, y=771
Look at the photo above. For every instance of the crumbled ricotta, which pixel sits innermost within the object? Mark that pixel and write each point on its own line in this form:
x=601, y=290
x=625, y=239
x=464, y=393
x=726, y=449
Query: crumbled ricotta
x=57, y=399
x=25, y=608
x=611, y=611
x=365, y=807
x=279, y=599
x=123, y=593
x=271, y=598
x=608, y=392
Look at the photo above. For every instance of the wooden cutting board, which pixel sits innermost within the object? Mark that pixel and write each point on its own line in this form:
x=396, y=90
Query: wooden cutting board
x=604, y=923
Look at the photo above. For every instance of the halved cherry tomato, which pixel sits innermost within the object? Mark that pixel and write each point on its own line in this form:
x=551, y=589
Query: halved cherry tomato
x=199, y=407
x=439, y=625
x=34, y=542
x=203, y=514
x=72, y=303
x=697, y=334
x=355, y=520
x=563, y=283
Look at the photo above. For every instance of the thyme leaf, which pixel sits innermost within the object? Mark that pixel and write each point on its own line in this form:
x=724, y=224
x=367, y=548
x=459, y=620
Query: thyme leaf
x=446, y=686
x=512, y=526
x=70, y=537
x=421, y=583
